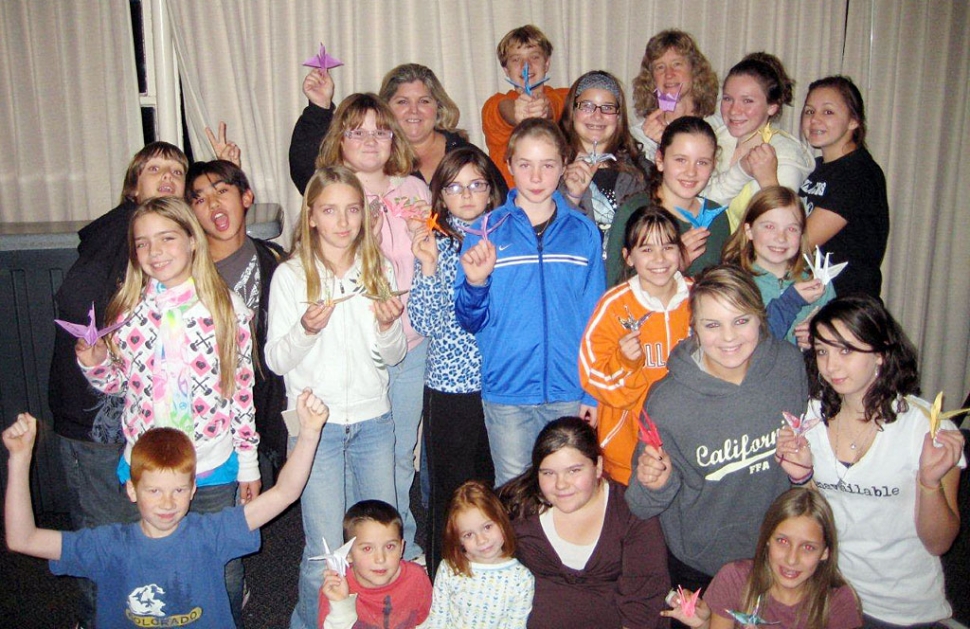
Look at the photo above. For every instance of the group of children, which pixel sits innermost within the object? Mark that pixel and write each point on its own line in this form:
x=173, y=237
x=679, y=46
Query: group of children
x=631, y=429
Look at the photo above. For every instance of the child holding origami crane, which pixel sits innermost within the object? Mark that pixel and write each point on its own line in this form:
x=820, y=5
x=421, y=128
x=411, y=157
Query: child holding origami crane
x=755, y=155
x=525, y=54
x=888, y=462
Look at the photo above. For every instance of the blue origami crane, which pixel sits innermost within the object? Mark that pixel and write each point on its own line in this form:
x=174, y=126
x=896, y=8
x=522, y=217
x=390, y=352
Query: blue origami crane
x=322, y=60
x=485, y=229
x=751, y=619
x=705, y=218
x=526, y=87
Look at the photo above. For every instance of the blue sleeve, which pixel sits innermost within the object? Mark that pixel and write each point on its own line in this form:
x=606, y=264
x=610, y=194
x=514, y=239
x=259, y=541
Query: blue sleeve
x=595, y=287
x=783, y=311
x=471, y=302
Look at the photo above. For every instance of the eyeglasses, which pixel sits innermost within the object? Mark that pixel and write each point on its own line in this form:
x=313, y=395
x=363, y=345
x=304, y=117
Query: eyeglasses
x=588, y=106
x=381, y=135
x=479, y=186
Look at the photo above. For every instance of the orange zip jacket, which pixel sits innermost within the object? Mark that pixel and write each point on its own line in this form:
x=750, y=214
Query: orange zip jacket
x=621, y=385
x=497, y=131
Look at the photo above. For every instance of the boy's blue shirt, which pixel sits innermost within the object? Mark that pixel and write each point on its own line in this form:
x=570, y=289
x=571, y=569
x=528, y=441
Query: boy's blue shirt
x=530, y=315
x=174, y=579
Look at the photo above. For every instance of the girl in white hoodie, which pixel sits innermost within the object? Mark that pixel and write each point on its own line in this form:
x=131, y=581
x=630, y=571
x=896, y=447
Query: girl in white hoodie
x=334, y=326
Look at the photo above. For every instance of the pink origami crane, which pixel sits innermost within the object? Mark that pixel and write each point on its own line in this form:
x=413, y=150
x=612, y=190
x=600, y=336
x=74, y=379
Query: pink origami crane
x=322, y=60
x=485, y=230
x=648, y=431
x=90, y=332
x=799, y=425
x=688, y=603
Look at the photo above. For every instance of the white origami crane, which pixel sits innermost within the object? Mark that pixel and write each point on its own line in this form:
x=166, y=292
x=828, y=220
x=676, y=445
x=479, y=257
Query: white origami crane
x=823, y=269
x=594, y=158
x=336, y=560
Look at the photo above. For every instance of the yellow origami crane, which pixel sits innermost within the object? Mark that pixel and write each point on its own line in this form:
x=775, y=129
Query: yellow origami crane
x=936, y=417
x=767, y=133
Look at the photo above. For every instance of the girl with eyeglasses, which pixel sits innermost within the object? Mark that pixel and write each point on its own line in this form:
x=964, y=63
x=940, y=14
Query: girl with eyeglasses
x=606, y=165
x=463, y=188
x=366, y=138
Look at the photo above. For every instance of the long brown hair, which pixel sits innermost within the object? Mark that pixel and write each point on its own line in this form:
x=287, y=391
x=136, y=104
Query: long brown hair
x=212, y=291
x=794, y=503
x=704, y=85
x=622, y=144
x=474, y=495
x=306, y=245
x=739, y=249
x=446, y=172
x=350, y=115
x=522, y=495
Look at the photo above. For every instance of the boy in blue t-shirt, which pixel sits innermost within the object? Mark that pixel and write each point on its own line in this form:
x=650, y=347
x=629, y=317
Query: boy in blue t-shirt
x=166, y=569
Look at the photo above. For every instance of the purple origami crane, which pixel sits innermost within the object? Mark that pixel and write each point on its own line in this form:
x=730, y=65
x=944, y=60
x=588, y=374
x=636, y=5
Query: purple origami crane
x=667, y=102
x=322, y=60
x=485, y=230
x=90, y=332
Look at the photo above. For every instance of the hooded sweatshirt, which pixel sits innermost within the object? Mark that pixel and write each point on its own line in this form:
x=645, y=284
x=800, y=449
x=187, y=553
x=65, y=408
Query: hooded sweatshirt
x=721, y=439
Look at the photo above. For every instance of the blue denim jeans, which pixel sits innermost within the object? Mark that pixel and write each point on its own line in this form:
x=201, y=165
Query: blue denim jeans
x=95, y=498
x=512, y=431
x=362, y=452
x=407, y=393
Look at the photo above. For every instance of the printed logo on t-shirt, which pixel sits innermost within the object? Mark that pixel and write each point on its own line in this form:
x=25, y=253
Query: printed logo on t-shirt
x=147, y=609
x=810, y=190
x=737, y=455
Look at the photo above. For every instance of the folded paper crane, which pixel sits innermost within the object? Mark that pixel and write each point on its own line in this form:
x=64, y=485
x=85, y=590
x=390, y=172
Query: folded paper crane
x=336, y=560
x=935, y=415
x=322, y=60
x=648, y=432
x=485, y=230
x=799, y=424
x=667, y=102
x=90, y=332
x=593, y=158
x=526, y=86
x=823, y=269
x=767, y=133
x=704, y=219
x=431, y=222
x=750, y=619
x=687, y=602
x=631, y=323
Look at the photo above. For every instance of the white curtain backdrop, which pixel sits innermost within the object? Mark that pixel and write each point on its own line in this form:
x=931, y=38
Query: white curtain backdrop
x=911, y=60
x=240, y=62
x=69, y=116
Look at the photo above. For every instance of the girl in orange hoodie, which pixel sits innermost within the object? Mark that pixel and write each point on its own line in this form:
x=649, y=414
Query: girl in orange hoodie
x=632, y=331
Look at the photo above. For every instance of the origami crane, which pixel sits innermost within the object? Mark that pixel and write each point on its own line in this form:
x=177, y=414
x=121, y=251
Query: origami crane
x=384, y=293
x=631, y=323
x=328, y=301
x=750, y=619
x=767, y=133
x=322, y=60
x=485, y=229
x=593, y=158
x=705, y=218
x=667, y=102
x=936, y=417
x=336, y=560
x=90, y=332
x=404, y=207
x=432, y=223
x=688, y=603
x=799, y=425
x=651, y=436
x=526, y=87
x=823, y=269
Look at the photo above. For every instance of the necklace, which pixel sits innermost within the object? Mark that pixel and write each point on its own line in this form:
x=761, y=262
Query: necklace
x=858, y=449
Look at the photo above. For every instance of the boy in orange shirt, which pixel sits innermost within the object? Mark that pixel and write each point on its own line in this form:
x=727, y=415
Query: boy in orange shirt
x=501, y=112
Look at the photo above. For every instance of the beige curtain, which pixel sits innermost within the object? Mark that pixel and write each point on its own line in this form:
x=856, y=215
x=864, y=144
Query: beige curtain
x=247, y=70
x=69, y=116
x=911, y=60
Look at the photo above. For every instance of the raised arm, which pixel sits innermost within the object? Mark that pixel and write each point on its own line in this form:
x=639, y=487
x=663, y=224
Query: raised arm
x=23, y=536
x=311, y=127
x=937, y=515
x=313, y=414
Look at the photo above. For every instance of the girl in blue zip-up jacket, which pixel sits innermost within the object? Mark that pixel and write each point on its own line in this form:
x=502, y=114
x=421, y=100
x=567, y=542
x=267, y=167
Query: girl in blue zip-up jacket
x=526, y=291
